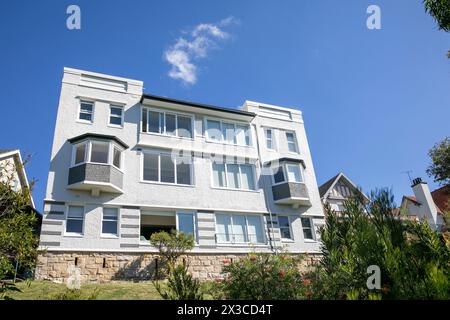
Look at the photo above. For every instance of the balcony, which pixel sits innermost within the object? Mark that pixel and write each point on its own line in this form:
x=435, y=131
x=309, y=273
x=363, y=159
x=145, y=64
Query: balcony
x=291, y=193
x=96, y=178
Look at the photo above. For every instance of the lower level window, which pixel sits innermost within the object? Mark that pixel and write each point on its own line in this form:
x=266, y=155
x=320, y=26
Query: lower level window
x=75, y=217
x=109, y=221
x=307, y=229
x=237, y=228
x=185, y=223
x=285, y=227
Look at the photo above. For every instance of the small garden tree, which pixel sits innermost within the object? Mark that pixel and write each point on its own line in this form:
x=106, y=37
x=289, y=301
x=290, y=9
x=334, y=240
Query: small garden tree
x=439, y=169
x=18, y=223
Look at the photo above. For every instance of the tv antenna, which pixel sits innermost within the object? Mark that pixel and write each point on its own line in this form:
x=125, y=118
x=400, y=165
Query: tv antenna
x=408, y=172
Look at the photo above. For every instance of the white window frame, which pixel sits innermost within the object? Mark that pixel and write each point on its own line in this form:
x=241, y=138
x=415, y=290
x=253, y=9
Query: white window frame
x=108, y=144
x=295, y=141
x=283, y=166
x=194, y=217
x=231, y=235
x=163, y=131
x=273, y=139
x=290, y=228
x=80, y=101
x=74, y=234
x=110, y=235
x=117, y=106
x=313, y=233
x=239, y=177
x=87, y=158
x=191, y=166
x=222, y=139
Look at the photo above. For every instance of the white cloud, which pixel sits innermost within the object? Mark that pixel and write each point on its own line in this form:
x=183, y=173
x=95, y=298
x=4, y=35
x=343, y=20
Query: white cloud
x=193, y=46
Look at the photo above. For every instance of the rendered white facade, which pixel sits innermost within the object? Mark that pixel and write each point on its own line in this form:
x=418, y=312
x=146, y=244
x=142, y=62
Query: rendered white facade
x=225, y=218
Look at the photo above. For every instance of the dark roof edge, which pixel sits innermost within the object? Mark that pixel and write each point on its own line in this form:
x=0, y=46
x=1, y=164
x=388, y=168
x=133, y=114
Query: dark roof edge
x=98, y=136
x=196, y=105
x=285, y=159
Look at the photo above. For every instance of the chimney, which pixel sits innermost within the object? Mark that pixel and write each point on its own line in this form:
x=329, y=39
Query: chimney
x=427, y=208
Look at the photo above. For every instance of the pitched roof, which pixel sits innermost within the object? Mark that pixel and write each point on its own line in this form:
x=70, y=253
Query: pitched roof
x=441, y=198
x=413, y=199
x=3, y=151
x=327, y=186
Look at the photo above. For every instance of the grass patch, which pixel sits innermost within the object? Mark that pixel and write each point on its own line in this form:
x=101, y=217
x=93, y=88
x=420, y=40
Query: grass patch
x=45, y=290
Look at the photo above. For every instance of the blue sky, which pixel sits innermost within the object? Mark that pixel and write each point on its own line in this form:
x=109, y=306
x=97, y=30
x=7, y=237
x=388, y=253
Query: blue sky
x=374, y=101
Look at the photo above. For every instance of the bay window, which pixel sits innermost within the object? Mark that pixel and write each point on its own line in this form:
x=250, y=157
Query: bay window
x=162, y=167
x=288, y=172
x=233, y=176
x=229, y=133
x=238, y=228
x=166, y=123
x=98, y=152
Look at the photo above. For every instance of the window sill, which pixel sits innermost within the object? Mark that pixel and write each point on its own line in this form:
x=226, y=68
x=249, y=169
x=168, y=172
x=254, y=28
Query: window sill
x=85, y=122
x=73, y=235
x=309, y=241
x=241, y=244
x=115, y=126
x=109, y=236
x=287, y=240
x=167, y=136
x=231, y=189
x=167, y=184
x=228, y=144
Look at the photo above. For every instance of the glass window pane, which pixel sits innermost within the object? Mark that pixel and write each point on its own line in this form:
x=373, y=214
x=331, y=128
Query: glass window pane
x=285, y=233
x=213, y=130
x=75, y=226
x=86, y=116
x=247, y=180
x=144, y=120
x=115, y=121
x=171, y=124
x=307, y=234
x=86, y=107
x=167, y=169
x=228, y=132
x=150, y=167
x=75, y=212
x=186, y=223
x=110, y=213
x=154, y=124
x=306, y=223
x=116, y=157
x=183, y=173
x=99, y=152
x=269, y=139
x=283, y=221
x=184, y=127
x=219, y=174
x=293, y=172
x=233, y=176
x=278, y=175
x=255, y=233
x=109, y=227
x=243, y=135
x=223, y=226
x=239, y=229
x=117, y=111
x=291, y=142
x=80, y=153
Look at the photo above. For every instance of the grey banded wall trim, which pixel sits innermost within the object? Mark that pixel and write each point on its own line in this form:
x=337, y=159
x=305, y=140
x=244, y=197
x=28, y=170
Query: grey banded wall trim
x=56, y=203
x=207, y=237
x=208, y=228
x=132, y=236
x=205, y=211
x=205, y=220
x=51, y=233
x=61, y=213
x=129, y=245
x=130, y=226
x=131, y=207
x=52, y=223
x=130, y=216
x=49, y=244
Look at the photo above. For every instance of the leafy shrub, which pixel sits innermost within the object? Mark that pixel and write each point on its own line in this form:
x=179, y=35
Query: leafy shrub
x=413, y=259
x=264, y=277
x=75, y=294
x=180, y=285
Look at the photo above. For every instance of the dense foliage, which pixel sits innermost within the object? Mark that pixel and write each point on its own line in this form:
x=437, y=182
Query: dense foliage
x=440, y=11
x=180, y=285
x=263, y=277
x=18, y=236
x=440, y=158
x=413, y=259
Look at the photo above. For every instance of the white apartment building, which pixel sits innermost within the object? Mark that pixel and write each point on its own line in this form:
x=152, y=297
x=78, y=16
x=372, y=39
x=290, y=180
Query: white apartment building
x=126, y=164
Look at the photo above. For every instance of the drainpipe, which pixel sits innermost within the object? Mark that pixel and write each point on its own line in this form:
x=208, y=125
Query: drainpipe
x=271, y=237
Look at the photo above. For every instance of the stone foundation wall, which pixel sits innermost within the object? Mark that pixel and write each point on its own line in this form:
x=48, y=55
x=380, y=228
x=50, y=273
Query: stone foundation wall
x=104, y=267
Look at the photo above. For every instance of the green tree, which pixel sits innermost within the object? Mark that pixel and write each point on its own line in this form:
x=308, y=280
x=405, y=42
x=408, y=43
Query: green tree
x=412, y=258
x=18, y=223
x=439, y=169
x=440, y=11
